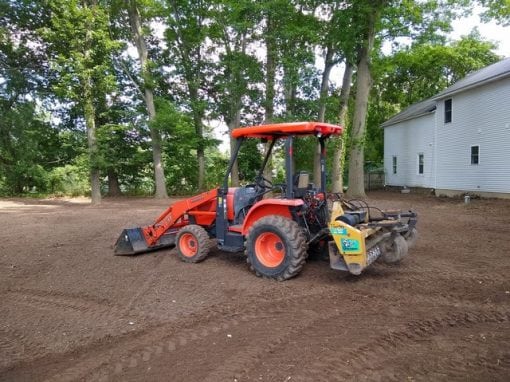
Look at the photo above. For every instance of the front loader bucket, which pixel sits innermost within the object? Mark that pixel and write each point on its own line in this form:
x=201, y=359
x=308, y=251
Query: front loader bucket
x=131, y=242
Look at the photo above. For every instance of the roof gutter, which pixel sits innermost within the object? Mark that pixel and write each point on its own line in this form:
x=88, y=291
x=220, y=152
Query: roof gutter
x=471, y=86
x=388, y=123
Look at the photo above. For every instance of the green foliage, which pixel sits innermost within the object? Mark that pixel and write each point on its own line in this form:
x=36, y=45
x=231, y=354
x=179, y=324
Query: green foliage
x=64, y=65
x=250, y=160
x=28, y=148
x=416, y=73
x=71, y=179
x=423, y=70
x=216, y=166
x=498, y=10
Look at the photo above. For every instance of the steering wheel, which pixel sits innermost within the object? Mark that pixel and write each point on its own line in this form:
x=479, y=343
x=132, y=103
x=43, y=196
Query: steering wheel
x=263, y=183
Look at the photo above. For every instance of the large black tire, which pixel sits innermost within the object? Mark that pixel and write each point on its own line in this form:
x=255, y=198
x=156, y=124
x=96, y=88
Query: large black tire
x=276, y=248
x=192, y=243
x=396, y=251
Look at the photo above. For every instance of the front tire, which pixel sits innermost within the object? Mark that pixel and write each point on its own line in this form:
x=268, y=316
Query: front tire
x=192, y=243
x=276, y=248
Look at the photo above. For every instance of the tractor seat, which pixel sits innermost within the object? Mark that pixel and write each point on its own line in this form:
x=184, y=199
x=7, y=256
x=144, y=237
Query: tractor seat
x=301, y=183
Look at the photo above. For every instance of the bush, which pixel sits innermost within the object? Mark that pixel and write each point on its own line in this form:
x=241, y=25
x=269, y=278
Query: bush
x=71, y=179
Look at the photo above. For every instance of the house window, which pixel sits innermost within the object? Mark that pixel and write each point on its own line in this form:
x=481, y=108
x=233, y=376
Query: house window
x=448, y=110
x=475, y=154
x=394, y=164
x=421, y=162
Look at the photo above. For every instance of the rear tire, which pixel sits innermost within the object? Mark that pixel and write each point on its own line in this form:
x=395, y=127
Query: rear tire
x=396, y=251
x=276, y=248
x=192, y=243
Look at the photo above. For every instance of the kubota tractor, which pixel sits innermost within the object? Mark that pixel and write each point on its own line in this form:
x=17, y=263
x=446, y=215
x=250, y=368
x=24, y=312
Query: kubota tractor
x=278, y=232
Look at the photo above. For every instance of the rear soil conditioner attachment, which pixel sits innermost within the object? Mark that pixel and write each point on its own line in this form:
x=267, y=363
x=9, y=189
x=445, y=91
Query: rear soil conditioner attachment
x=278, y=233
x=359, y=238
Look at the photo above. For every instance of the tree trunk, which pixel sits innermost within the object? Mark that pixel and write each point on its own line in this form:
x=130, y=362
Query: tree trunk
x=339, y=151
x=113, y=184
x=89, y=112
x=270, y=83
x=199, y=129
x=141, y=46
x=234, y=123
x=289, y=91
x=328, y=65
x=363, y=83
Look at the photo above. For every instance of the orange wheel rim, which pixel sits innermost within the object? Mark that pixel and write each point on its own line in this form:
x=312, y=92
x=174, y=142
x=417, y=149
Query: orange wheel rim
x=269, y=249
x=188, y=245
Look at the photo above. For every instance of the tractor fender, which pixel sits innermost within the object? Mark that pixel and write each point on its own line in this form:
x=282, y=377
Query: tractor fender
x=268, y=207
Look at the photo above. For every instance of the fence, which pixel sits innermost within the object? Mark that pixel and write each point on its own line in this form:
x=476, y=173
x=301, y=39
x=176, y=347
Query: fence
x=374, y=180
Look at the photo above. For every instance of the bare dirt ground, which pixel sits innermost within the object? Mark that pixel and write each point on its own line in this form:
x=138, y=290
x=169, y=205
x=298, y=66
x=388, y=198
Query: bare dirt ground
x=70, y=310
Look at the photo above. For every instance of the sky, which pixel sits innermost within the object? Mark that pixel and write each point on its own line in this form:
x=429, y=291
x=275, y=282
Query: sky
x=490, y=31
x=461, y=27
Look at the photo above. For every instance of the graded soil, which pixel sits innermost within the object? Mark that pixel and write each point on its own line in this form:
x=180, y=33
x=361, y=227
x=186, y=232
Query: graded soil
x=72, y=311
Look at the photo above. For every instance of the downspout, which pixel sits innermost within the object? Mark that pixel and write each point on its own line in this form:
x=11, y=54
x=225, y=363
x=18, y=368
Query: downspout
x=434, y=148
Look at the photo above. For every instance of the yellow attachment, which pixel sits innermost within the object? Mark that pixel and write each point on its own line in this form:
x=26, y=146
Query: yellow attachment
x=336, y=211
x=350, y=241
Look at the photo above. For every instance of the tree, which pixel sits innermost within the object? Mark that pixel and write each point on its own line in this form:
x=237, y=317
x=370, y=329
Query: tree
x=80, y=48
x=378, y=21
x=339, y=152
x=337, y=43
x=136, y=24
x=418, y=72
x=186, y=35
x=371, y=12
x=237, y=71
x=498, y=10
x=423, y=70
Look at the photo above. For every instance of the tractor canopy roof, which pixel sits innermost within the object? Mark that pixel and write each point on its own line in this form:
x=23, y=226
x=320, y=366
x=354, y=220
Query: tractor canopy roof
x=282, y=130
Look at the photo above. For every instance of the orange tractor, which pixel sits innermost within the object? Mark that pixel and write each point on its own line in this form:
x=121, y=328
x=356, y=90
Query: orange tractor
x=277, y=233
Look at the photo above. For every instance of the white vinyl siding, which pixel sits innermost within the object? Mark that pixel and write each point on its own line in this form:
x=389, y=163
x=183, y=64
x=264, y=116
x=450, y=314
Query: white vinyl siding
x=406, y=140
x=482, y=118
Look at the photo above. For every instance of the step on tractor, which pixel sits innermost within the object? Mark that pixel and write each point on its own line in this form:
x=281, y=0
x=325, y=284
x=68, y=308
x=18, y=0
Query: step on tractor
x=278, y=225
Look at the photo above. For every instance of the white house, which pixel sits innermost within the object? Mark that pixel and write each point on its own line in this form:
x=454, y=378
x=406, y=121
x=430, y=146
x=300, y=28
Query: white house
x=457, y=141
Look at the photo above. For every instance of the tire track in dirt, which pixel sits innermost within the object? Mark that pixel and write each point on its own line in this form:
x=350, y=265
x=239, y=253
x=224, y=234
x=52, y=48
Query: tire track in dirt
x=446, y=366
x=13, y=344
x=254, y=352
x=167, y=338
x=235, y=367
x=447, y=271
x=147, y=284
x=359, y=363
x=97, y=309
x=240, y=363
x=42, y=299
x=92, y=309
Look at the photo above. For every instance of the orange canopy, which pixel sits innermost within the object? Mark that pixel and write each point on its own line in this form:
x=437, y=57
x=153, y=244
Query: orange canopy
x=286, y=129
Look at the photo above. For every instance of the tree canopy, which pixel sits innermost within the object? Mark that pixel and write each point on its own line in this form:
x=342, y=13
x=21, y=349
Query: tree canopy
x=135, y=97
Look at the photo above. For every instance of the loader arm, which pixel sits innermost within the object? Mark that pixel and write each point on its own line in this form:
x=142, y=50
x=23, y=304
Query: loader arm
x=200, y=209
x=177, y=215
